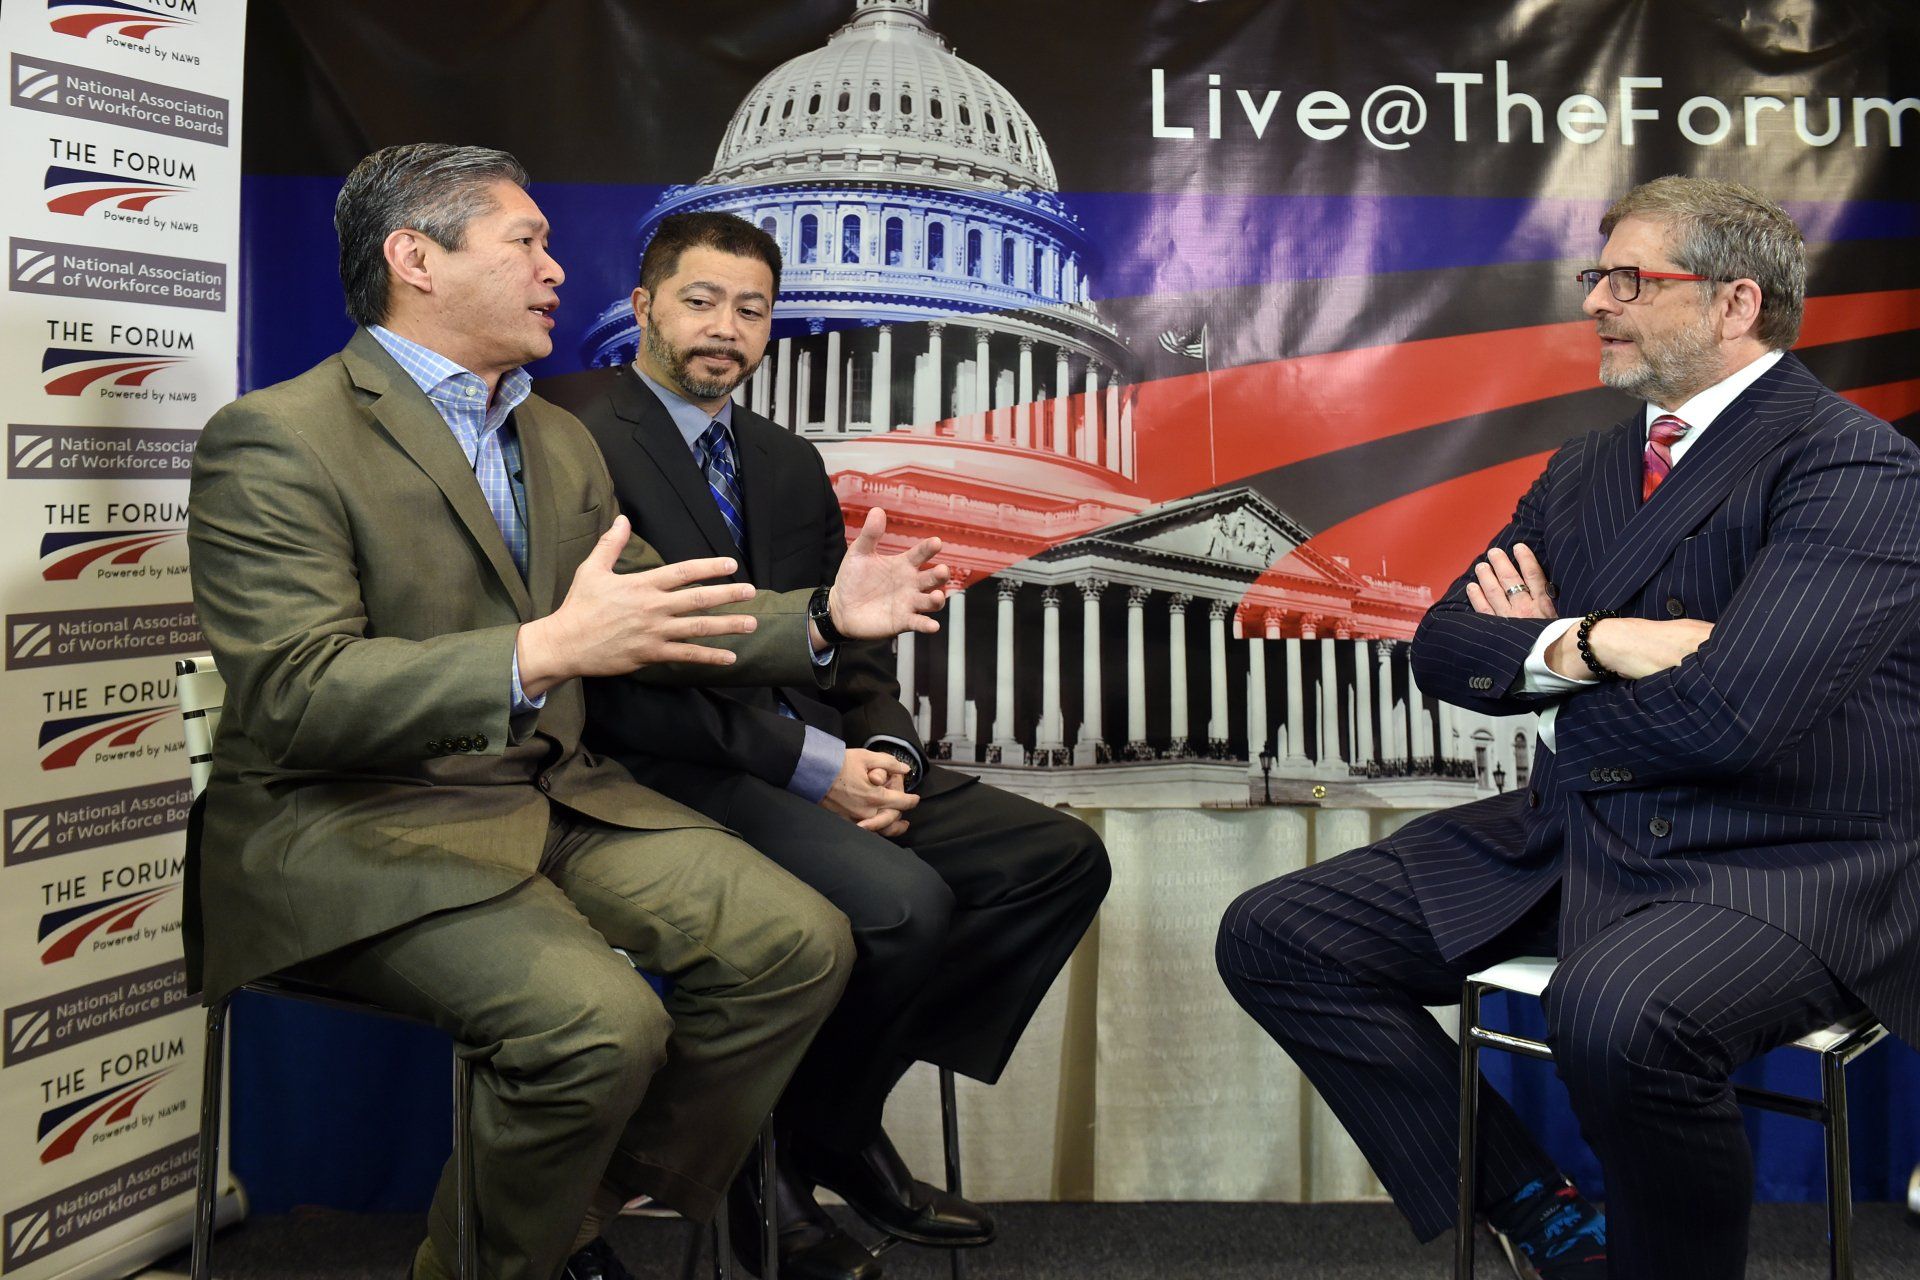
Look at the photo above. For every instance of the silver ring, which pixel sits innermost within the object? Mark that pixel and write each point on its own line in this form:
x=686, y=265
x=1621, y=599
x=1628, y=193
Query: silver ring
x=1516, y=589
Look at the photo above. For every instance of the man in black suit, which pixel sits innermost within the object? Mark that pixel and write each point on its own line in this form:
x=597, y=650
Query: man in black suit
x=965, y=900
x=1713, y=606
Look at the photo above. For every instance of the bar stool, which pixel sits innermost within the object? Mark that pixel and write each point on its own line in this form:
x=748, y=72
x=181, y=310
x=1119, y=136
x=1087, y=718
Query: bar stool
x=202, y=695
x=1836, y=1045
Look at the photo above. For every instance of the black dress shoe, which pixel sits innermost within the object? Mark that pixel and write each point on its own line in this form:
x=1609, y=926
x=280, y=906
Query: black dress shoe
x=877, y=1185
x=596, y=1261
x=812, y=1245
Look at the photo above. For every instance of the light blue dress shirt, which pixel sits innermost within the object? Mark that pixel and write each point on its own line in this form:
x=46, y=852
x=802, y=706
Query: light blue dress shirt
x=479, y=425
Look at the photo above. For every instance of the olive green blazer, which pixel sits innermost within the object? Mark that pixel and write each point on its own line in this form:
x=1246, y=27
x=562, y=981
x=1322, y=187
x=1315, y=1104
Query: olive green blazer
x=363, y=606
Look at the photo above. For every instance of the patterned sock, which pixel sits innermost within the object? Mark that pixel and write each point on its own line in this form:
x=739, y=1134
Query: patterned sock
x=1558, y=1229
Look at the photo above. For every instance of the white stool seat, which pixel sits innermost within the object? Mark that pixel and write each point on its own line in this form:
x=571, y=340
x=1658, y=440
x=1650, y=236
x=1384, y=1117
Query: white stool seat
x=1529, y=975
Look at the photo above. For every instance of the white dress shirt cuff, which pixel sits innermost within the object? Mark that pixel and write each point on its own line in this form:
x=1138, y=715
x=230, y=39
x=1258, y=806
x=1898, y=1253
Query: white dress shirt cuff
x=1541, y=678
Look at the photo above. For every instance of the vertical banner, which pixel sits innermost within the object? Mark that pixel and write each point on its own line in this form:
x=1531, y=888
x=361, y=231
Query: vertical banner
x=119, y=137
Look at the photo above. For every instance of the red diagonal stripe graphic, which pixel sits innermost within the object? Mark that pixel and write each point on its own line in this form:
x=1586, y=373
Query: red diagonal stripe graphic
x=71, y=565
x=68, y=944
x=85, y=24
x=1890, y=400
x=69, y=754
x=72, y=384
x=70, y=1136
x=78, y=202
x=1454, y=517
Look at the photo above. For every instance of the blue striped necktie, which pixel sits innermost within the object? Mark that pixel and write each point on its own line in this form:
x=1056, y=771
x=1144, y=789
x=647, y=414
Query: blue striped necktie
x=716, y=459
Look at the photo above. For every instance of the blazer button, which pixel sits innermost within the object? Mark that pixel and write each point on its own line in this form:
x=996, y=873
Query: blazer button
x=1596, y=775
x=1533, y=799
x=479, y=742
x=463, y=743
x=1626, y=775
x=433, y=746
x=544, y=782
x=1676, y=608
x=1659, y=826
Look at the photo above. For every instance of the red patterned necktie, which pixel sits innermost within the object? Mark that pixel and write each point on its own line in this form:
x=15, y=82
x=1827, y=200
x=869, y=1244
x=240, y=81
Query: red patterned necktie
x=1666, y=430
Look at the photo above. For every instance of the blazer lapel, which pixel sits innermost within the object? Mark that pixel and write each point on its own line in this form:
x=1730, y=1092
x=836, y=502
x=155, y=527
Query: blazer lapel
x=661, y=442
x=538, y=473
x=757, y=479
x=1746, y=432
x=417, y=427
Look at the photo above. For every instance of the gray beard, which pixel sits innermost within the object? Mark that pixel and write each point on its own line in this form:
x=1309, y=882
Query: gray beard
x=1686, y=364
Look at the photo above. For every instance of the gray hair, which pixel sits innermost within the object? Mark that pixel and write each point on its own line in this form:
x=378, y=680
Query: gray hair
x=1725, y=231
x=430, y=187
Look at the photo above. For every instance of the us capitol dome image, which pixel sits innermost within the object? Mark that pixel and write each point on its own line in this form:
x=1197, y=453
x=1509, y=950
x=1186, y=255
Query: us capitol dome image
x=936, y=335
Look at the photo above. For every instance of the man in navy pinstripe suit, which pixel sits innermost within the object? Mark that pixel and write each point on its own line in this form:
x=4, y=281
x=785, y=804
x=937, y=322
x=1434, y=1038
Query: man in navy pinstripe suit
x=1713, y=607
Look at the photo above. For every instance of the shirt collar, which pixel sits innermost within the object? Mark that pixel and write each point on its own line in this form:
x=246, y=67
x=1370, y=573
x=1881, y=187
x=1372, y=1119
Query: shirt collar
x=692, y=420
x=1699, y=412
x=452, y=387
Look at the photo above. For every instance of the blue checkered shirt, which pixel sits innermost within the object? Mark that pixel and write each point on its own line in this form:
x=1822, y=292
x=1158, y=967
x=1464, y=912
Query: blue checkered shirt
x=493, y=451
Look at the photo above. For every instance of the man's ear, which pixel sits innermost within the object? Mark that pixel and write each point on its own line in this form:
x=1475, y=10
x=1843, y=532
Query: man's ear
x=641, y=299
x=406, y=252
x=1741, y=310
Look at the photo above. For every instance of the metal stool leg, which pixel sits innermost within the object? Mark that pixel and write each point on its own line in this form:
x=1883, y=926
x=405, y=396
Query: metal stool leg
x=722, y=1251
x=1833, y=1091
x=206, y=1191
x=769, y=1207
x=1463, y=1225
x=950, y=1137
x=466, y=1218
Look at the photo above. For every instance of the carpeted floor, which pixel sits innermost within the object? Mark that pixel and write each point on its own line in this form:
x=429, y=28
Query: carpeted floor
x=1071, y=1241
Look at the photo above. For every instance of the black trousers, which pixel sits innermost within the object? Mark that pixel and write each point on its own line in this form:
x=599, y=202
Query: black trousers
x=1646, y=1021
x=959, y=928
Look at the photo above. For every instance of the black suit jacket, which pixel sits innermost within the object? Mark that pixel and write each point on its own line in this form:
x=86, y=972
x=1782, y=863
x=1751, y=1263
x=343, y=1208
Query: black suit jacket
x=796, y=537
x=1774, y=771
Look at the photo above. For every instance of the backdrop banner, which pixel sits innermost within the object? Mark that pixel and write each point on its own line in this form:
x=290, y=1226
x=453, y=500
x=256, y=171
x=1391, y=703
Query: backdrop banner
x=120, y=140
x=1213, y=336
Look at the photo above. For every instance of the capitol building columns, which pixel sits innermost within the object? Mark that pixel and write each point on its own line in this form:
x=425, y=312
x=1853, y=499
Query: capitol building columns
x=1177, y=674
x=1049, y=738
x=958, y=740
x=1137, y=748
x=1090, y=748
x=1062, y=392
x=1023, y=416
x=881, y=415
x=1005, y=747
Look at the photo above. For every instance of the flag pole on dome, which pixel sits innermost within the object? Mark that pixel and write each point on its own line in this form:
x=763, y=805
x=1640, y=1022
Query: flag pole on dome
x=1194, y=346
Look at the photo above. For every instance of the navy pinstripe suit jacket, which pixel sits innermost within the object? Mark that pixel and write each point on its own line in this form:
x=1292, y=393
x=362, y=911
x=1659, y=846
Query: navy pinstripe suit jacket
x=1774, y=770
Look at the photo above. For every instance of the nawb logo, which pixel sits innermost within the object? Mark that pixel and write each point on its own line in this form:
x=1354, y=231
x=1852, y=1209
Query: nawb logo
x=97, y=1117
x=125, y=18
x=102, y=739
x=69, y=371
x=76, y=191
x=114, y=920
x=67, y=557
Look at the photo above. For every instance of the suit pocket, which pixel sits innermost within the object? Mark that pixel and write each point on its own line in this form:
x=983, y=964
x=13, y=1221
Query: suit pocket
x=1700, y=575
x=568, y=527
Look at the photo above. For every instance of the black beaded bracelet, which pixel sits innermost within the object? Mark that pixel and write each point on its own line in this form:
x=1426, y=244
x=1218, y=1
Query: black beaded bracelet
x=1583, y=642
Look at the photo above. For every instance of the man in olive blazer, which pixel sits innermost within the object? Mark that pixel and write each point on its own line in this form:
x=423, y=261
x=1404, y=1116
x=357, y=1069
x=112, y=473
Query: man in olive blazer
x=400, y=806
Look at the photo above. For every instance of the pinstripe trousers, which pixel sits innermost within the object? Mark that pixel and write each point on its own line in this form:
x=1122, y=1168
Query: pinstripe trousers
x=1647, y=1020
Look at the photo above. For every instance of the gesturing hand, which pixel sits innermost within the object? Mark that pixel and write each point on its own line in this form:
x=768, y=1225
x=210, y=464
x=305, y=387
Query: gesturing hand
x=876, y=596
x=867, y=791
x=1493, y=591
x=611, y=623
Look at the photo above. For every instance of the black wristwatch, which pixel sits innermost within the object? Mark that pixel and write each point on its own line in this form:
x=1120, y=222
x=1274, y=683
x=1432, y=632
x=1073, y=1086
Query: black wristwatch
x=820, y=613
